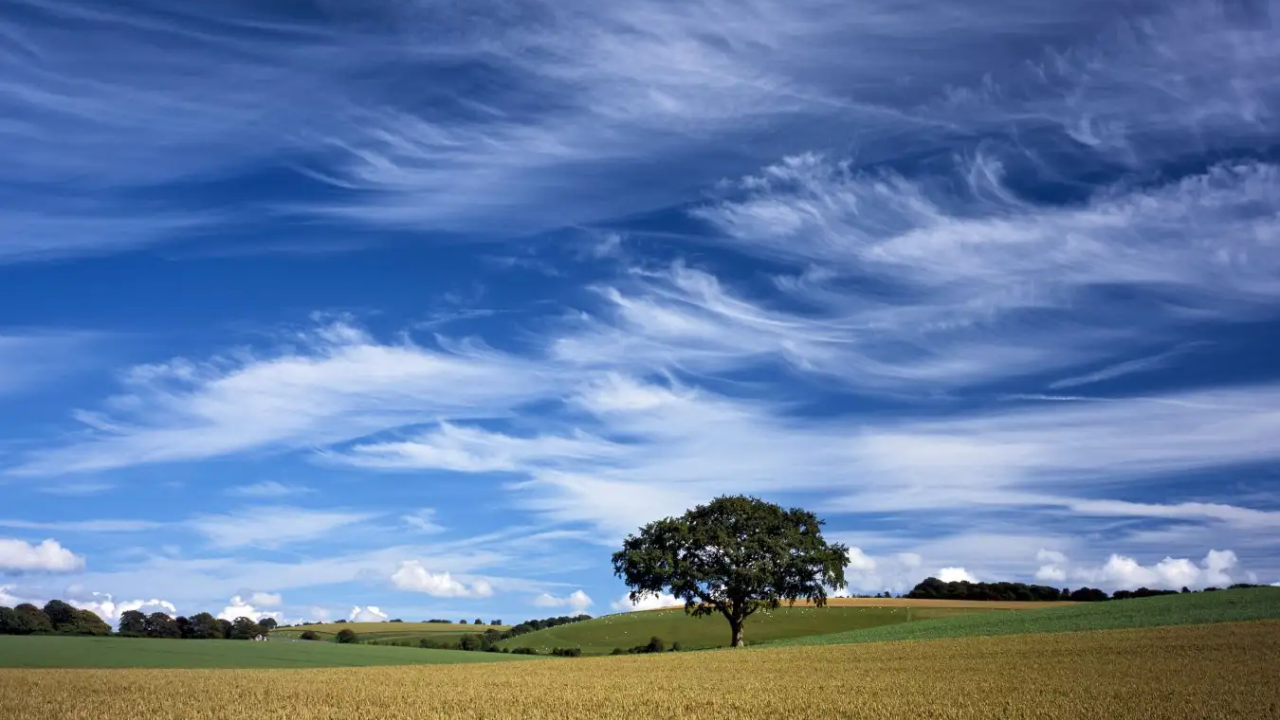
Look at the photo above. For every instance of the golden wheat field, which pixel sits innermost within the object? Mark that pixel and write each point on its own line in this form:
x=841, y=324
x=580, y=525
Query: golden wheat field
x=1209, y=671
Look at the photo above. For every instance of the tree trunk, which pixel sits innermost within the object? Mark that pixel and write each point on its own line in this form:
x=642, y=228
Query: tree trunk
x=737, y=634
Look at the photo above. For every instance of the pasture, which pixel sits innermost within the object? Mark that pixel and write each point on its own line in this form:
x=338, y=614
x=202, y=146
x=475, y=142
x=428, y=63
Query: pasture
x=36, y=651
x=601, y=635
x=1184, y=609
x=1223, y=671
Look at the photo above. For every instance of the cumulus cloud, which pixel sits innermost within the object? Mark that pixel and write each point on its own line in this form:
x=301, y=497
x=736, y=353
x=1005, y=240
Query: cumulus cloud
x=577, y=601
x=1218, y=568
x=413, y=576
x=18, y=556
x=370, y=613
x=7, y=599
x=266, y=599
x=107, y=608
x=239, y=607
x=956, y=574
x=649, y=602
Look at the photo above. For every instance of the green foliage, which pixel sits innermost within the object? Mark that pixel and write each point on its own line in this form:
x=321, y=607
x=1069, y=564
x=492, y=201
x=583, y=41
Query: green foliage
x=933, y=588
x=346, y=636
x=244, y=628
x=206, y=627
x=27, y=619
x=160, y=625
x=567, y=652
x=87, y=622
x=1178, y=609
x=8, y=621
x=524, y=651
x=133, y=623
x=269, y=624
x=735, y=555
x=309, y=635
x=61, y=615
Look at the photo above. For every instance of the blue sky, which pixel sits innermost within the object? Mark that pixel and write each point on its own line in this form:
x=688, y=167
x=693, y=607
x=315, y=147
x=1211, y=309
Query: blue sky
x=331, y=309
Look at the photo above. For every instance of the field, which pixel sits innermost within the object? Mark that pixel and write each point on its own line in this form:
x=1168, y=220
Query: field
x=390, y=633
x=1224, y=672
x=1189, y=609
x=601, y=635
x=115, y=652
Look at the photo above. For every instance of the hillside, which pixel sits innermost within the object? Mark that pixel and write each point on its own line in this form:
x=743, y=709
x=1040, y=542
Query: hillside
x=383, y=633
x=601, y=635
x=1183, y=609
x=36, y=651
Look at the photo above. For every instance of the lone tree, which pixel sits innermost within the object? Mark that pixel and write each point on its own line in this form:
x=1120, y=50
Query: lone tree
x=734, y=555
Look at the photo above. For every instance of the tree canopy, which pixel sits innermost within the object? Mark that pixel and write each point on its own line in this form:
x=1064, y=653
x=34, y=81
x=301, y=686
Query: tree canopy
x=734, y=555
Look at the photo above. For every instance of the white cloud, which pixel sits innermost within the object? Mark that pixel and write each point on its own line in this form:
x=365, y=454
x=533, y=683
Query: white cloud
x=423, y=521
x=84, y=526
x=108, y=609
x=956, y=574
x=1218, y=568
x=48, y=556
x=8, y=600
x=238, y=608
x=267, y=489
x=859, y=562
x=266, y=599
x=271, y=526
x=910, y=560
x=577, y=601
x=370, y=613
x=649, y=602
x=414, y=577
x=1051, y=573
x=319, y=614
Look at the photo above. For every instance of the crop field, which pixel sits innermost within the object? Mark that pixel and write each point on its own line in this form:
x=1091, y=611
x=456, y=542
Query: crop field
x=1224, y=672
x=601, y=635
x=33, y=651
x=1188, y=609
x=390, y=633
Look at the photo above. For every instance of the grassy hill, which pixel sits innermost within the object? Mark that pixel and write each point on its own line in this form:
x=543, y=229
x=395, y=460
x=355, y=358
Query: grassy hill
x=382, y=633
x=1185, y=609
x=34, y=651
x=601, y=635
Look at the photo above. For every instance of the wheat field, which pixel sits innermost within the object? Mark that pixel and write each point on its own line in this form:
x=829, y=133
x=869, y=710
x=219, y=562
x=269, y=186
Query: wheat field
x=1218, y=671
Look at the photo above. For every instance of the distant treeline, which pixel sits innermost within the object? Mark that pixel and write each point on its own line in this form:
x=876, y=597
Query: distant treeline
x=60, y=618
x=477, y=621
x=933, y=588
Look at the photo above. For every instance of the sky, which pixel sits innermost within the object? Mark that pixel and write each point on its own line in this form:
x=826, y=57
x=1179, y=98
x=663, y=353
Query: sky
x=327, y=309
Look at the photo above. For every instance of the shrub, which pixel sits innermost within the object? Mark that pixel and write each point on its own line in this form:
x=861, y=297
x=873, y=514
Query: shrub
x=524, y=651
x=346, y=635
x=618, y=651
x=309, y=635
x=567, y=652
x=676, y=646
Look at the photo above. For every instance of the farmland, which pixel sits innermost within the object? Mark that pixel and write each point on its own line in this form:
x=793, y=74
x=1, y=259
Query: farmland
x=35, y=651
x=1187, y=609
x=601, y=635
x=1221, y=671
x=390, y=633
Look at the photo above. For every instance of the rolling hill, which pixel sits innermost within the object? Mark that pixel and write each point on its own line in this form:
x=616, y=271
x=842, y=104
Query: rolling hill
x=601, y=635
x=386, y=633
x=1183, y=609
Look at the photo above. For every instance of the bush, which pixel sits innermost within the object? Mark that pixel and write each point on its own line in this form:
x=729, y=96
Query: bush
x=618, y=651
x=676, y=646
x=567, y=652
x=346, y=635
x=309, y=635
x=524, y=651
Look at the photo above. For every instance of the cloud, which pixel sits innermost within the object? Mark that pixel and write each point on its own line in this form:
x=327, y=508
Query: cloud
x=272, y=526
x=366, y=614
x=1218, y=568
x=238, y=608
x=8, y=600
x=334, y=383
x=30, y=360
x=650, y=602
x=423, y=521
x=83, y=526
x=108, y=609
x=17, y=556
x=266, y=599
x=577, y=602
x=414, y=577
x=956, y=574
x=267, y=490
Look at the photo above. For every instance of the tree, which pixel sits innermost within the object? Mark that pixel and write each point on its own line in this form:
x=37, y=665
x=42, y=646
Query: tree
x=205, y=627
x=269, y=623
x=8, y=621
x=160, y=625
x=495, y=622
x=29, y=619
x=244, y=628
x=734, y=555
x=346, y=635
x=88, y=623
x=309, y=635
x=133, y=623
x=61, y=615
x=224, y=628
x=477, y=621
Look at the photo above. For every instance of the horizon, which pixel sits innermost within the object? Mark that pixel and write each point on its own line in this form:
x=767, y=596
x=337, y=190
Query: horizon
x=312, y=310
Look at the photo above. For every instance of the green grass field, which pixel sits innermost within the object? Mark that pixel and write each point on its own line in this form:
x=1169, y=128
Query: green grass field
x=601, y=635
x=381, y=633
x=1189, y=609
x=114, y=652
